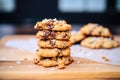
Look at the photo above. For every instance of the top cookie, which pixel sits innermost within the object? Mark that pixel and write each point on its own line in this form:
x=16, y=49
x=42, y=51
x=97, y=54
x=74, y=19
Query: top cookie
x=53, y=24
x=95, y=30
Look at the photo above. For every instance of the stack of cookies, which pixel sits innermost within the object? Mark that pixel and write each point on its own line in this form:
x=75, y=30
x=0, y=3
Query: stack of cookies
x=54, y=44
x=94, y=36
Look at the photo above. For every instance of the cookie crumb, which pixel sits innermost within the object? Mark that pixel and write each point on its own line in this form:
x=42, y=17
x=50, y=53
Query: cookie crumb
x=105, y=59
x=52, y=69
x=85, y=52
x=25, y=59
x=18, y=62
x=78, y=62
x=42, y=69
x=61, y=66
x=10, y=67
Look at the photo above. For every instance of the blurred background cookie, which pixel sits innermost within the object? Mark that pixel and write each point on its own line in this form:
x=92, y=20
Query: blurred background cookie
x=76, y=37
x=93, y=29
x=99, y=42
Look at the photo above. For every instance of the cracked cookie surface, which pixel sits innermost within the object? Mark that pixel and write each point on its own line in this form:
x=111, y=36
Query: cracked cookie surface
x=45, y=34
x=99, y=42
x=55, y=52
x=93, y=29
x=50, y=62
x=53, y=24
x=54, y=43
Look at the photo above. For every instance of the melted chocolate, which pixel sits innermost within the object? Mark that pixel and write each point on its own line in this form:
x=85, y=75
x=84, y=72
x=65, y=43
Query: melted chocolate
x=53, y=34
x=46, y=34
x=100, y=32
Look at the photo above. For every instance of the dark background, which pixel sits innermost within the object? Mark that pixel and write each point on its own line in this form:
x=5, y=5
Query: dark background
x=28, y=12
x=34, y=10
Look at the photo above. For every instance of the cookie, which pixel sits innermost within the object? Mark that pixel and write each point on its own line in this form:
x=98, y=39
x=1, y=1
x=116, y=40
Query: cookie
x=45, y=34
x=92, y=29
x=47, y=62
x=53, y=24
x=55, y=52
x=54, y=43
x=76, y=37
x=99, y=42
x=50, y=62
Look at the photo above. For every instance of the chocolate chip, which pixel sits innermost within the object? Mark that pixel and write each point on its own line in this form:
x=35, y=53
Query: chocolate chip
x=37, y=50
x=50, y=24
x=52, y=42
x=100, y=32
x=53, y=34
x=91, y=42
x=105, y=59
x=46, y=34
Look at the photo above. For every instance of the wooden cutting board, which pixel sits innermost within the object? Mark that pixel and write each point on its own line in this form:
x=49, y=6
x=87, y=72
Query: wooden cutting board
x=18, y=64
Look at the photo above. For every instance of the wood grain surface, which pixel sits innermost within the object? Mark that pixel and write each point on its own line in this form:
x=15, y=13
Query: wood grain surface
x=20, y=66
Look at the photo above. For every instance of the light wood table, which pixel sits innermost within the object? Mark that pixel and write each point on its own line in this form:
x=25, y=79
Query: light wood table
x=20, y=66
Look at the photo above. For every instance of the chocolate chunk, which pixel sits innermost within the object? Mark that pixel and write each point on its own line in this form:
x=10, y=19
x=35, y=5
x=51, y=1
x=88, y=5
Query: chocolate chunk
x=91, y=42
x=52, y=42
x=105, y=59
x=100, y=32
x=46, y=34
x=37, y=50
x=53, y=34
x=50, y=24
